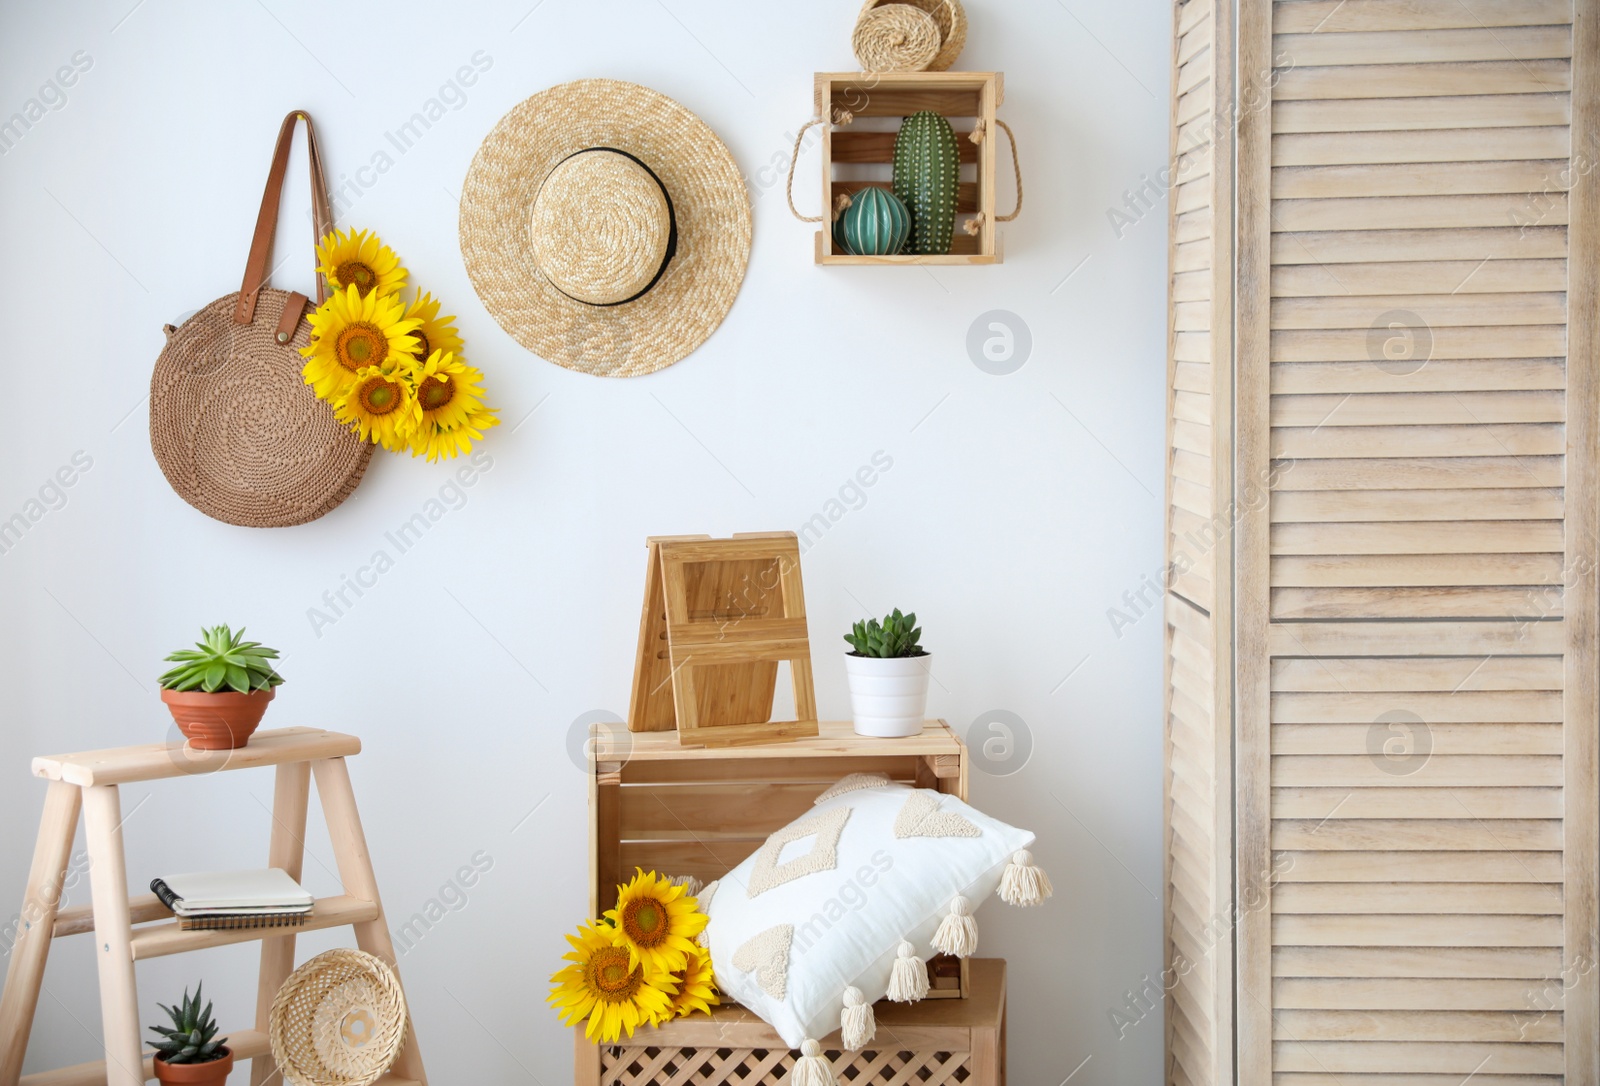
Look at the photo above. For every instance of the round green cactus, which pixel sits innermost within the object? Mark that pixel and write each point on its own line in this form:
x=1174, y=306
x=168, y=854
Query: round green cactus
x=876, y=223
x=927, y=170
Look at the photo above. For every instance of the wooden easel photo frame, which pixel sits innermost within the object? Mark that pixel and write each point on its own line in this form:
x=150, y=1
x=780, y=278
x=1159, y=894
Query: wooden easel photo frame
x=719, y=616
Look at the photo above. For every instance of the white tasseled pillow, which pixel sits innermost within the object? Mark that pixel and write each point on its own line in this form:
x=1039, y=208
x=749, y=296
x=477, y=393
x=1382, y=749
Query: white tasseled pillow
x=858, y=893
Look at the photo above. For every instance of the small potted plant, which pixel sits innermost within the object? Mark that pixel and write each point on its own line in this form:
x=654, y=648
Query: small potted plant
x=220, y=688
x=189, y=1051
x=888, y=672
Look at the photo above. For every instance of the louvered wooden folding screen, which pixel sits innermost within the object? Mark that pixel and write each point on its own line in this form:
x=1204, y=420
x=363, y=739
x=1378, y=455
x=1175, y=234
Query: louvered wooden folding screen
x=1381, y=797
x=1199, y=779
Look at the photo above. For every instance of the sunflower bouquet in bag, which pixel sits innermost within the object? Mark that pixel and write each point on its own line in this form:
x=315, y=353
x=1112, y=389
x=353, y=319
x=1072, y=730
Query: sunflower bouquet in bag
x=639, y=964
x=392, y=370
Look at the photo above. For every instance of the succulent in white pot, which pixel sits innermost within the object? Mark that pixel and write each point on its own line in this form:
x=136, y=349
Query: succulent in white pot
x=888, y=673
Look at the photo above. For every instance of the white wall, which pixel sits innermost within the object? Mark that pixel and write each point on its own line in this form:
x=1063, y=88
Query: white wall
x=1017, y=511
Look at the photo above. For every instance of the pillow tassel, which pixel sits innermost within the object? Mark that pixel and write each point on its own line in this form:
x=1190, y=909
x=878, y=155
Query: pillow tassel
x=812, y=1068
x=958, y=931
x=857, y=1027
x=1023, y=883
x=909, y=980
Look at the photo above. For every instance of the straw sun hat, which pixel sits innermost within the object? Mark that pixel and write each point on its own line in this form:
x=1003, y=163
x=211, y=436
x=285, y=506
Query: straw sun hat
x=605, y=227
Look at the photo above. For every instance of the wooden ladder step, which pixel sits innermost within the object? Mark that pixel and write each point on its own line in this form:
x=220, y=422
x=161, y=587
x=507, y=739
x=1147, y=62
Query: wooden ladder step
x=169, y=938
x=159, y=761
x=79, y=920
x=246, y=1044
x=156, y=940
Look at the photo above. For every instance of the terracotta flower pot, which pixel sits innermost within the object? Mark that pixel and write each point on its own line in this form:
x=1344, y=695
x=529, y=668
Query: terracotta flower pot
x=212, y=1072
x=220, y=721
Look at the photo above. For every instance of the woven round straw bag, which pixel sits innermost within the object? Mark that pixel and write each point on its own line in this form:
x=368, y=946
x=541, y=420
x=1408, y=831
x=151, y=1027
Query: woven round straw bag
x=605, y=227
x=339, y=1020
x=952, y=20
x=237, y=432
x=895, y=38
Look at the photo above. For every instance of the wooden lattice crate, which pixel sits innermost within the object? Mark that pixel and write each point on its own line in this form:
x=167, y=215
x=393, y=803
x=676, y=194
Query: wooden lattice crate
x=853, y=151
x=700, y=811
x=925, y=1044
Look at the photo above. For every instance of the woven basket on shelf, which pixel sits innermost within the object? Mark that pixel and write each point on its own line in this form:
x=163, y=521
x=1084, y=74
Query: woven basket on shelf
x=952, y=20
x=895, y=38
x=339, y=1020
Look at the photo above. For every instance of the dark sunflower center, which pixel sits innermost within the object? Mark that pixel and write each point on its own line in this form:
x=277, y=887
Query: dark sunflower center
x=361, y=344
x=645, y=922
x=423, y=350
x=354, y=272
x=609, y=976
x=436, y=392
x=379, y=396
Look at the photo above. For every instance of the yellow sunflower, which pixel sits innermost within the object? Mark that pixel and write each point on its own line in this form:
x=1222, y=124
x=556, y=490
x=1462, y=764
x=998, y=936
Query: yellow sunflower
x=657, y=922
x=434, y=333
x=452, y=412
x=697, y=991
x=350, y=333
x=614, y=994
x=351, y=259
x=380, y=406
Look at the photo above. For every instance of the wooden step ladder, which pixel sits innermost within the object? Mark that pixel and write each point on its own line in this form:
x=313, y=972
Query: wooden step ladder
x=129, y=930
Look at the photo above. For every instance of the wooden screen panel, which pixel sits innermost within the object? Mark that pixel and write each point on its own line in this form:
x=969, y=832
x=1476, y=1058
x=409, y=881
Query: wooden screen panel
x=1416, y=614
x=1199, y=862
x=1199, y=774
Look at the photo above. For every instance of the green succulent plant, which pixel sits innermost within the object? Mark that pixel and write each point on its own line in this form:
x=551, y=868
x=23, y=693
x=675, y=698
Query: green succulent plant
x=192, y=1037
x=896, y=636
x=222, y=660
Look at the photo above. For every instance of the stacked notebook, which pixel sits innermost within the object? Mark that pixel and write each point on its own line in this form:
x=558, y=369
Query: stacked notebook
x=217, y=900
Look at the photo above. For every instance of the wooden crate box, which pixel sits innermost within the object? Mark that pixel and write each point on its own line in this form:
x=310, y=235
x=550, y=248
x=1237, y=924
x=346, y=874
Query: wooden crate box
x=966, y=99
x=928, y=1044
x=684, y=811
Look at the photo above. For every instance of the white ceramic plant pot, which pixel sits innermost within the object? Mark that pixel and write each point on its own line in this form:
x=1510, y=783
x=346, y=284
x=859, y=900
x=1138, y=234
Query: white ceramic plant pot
x=888, y=697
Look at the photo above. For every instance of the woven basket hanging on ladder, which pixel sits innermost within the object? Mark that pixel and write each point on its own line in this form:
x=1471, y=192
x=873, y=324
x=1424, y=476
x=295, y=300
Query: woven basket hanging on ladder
x=339, y=1020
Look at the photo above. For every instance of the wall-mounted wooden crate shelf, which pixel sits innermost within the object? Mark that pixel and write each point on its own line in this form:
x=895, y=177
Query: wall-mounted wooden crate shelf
x=967, y=99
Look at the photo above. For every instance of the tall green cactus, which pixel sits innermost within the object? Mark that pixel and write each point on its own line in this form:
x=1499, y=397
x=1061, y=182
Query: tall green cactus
x=926, y=171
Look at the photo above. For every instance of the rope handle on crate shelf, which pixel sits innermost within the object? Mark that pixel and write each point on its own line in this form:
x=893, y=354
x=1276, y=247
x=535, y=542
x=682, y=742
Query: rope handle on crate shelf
x=975, y=224
x=842, y=117
x=972, y=225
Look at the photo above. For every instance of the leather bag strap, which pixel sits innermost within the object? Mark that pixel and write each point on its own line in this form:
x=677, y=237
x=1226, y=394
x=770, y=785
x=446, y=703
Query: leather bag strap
x=257, y=269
